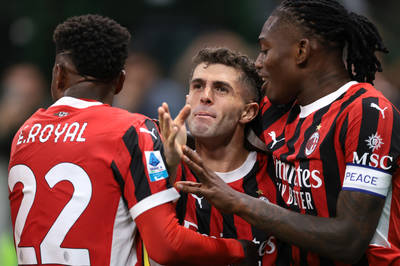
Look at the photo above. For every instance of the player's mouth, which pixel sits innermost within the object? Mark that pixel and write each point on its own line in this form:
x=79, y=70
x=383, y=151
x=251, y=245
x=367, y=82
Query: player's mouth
x=205, y=114
x=265, y=82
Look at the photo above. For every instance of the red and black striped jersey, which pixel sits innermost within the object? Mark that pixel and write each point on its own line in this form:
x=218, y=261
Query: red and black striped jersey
x=80, y=173
x=251, y=178
x=347, y=140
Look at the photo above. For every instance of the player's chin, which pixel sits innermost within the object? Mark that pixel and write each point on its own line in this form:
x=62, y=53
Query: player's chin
x=277, y=98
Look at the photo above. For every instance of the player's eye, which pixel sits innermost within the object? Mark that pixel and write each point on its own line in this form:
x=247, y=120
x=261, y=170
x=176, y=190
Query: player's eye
x=196, y=86
x=221, y=89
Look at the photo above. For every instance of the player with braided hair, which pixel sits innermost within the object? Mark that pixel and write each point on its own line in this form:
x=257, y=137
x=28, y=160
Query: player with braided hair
x=87, y=181
x=333, y=138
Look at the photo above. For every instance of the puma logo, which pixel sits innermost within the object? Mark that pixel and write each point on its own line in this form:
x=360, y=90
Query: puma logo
x=274, y=140
x=382, y=111
x=152, y=132
x=198, y=199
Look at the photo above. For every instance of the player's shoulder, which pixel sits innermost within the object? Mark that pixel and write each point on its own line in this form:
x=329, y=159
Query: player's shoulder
x=366, y=97
x=125, y=118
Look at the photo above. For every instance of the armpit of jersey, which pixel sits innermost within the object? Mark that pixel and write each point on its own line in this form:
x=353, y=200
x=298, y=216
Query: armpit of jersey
x=366, y=179
x=153, y=201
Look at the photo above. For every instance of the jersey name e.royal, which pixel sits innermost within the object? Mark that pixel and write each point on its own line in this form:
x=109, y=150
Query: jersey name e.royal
x=80, y=173
x=348, y=140
x=197, y=213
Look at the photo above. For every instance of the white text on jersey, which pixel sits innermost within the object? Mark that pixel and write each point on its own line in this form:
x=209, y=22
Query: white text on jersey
x=62, y=132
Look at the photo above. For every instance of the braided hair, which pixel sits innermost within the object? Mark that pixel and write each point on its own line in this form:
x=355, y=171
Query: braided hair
x=329, y=20
x=97, y=45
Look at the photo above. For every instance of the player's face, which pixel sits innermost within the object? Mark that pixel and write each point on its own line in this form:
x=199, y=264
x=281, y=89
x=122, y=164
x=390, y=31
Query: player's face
x=276, y=62
x=216, y=98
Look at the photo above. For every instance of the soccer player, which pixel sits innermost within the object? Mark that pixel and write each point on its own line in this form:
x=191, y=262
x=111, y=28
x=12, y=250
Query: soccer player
x=85, y=179
x=336, y=150
x=223, y=96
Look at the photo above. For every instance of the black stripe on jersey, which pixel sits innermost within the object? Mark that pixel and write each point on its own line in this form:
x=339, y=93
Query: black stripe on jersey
x=284, y=254
x=395, y=139
x=324, y=261
x=343, y=130
x=228, y=226
x=157, y=143
x=343, y=133
x=118, y=177
x=369, y=125
x=182, y=202
x=250, y=187
x=142, y=188
x=291, y=142
x=203, y=213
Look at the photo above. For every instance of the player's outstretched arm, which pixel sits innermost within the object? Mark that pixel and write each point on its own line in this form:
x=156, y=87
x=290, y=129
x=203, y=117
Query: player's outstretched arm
x=169, y=243
x=344, y=237
x=173, y=133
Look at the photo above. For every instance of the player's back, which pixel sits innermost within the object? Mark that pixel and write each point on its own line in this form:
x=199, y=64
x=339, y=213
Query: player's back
x=65, y=194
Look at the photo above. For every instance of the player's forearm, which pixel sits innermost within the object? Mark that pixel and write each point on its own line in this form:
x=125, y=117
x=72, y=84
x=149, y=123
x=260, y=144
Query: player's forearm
x=344, y=237
x=169, y=243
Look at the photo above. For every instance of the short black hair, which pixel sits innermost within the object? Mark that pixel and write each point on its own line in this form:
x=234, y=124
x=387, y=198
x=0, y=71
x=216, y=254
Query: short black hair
x=334, y=24
x=97, y=45
x=241, y=62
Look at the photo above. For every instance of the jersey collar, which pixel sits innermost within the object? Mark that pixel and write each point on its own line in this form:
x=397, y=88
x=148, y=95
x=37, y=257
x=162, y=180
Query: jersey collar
x=324, y=101
x=240, y=172
x=75, y=102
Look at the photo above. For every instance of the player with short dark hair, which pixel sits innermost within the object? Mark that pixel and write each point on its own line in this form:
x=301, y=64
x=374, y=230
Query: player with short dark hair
x=85, y=178
x=333, y=137
x=223, y=95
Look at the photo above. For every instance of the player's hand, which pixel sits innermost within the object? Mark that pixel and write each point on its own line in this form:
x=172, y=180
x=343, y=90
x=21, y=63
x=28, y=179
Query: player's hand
x=251, y=256
x=211, y=186
x=173, y=133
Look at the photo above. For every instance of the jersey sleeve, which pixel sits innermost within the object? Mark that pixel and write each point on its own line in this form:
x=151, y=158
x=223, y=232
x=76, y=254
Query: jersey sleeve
x=145, y=183
x=372, y=146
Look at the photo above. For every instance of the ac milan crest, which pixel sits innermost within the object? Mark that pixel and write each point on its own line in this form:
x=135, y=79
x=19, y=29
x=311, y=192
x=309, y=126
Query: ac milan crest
x=312, y=143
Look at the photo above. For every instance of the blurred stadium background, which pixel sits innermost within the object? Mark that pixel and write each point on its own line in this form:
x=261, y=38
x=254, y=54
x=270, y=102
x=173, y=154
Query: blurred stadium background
x=165, y=35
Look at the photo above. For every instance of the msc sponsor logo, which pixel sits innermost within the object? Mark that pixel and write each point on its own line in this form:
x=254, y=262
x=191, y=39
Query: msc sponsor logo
x=374, y=160
x=374, y=142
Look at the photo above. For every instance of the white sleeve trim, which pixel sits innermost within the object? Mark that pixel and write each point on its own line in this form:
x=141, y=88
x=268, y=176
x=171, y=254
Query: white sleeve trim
x=153, y=201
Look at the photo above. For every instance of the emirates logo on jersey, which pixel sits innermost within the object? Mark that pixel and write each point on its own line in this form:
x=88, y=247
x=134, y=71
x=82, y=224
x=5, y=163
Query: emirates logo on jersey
x=312, y=143
x=374, y=142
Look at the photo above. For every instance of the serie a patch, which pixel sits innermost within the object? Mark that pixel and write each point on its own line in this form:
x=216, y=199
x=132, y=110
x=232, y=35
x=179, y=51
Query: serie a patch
x=367, y=179
x=155, y=165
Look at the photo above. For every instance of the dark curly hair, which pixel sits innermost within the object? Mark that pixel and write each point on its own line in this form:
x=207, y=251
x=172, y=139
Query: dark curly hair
x=97, y=45
x=225, y=56
x=329, y=20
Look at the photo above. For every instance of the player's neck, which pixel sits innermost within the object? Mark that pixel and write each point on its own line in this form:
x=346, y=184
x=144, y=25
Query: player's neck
x=327, y=76
x=92, y=91
x=222, y=155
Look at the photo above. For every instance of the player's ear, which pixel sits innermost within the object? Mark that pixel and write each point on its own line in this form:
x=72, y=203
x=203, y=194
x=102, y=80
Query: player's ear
x=249, y=112
x=58, y=81
x=303, y=51
x=120, y=81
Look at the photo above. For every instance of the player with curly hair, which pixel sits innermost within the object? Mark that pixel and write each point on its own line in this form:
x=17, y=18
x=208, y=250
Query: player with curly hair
x=87, y=181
